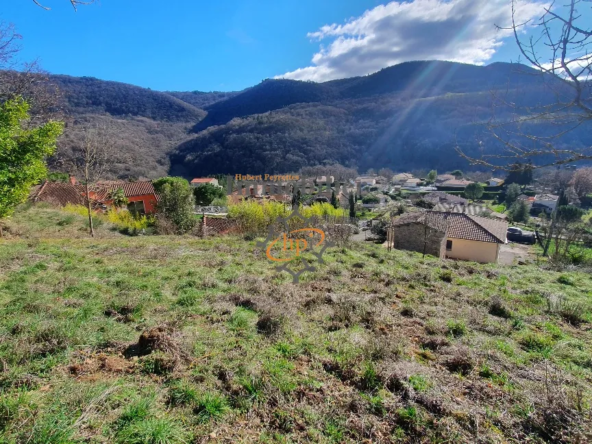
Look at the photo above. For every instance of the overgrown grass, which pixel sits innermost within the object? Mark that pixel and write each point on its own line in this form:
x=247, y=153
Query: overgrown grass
x=233, y=350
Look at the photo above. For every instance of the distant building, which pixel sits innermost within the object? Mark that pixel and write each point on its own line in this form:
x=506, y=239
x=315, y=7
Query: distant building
x=366, y=180
x=544, y=203
x=493, y=182
x=456, y=183
x=441, y=178
x=437, y=197
x=401, y=178
x=325, y=179
x=412, y=183
x=202, y=181
x=450, y=235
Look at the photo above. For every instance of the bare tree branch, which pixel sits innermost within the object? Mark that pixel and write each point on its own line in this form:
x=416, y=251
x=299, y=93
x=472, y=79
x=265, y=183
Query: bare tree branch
x=74, y=4
x=559, y=46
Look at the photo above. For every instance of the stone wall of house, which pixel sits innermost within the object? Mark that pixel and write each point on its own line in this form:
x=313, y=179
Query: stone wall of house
x=413, y=236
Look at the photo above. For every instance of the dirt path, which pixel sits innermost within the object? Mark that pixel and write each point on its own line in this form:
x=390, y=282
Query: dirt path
x=511, y=253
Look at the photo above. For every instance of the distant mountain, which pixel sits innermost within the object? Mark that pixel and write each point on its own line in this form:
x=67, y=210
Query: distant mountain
x=147, y=124
x=201, y=99
x=410, y=115
x=415, y=79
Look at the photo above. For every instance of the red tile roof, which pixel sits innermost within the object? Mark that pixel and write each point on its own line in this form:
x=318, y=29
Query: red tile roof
x=58, y=193
x=206, y=180
x=459, y=225
x=130, y=189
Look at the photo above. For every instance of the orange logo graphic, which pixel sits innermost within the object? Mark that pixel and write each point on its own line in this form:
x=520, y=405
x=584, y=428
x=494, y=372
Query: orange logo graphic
x=297, y=245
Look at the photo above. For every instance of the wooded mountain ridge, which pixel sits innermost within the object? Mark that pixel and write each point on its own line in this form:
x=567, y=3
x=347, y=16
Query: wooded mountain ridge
x=406, y=116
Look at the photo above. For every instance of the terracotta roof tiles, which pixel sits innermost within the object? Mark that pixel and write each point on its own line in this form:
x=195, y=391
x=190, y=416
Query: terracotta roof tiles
x=459, y=225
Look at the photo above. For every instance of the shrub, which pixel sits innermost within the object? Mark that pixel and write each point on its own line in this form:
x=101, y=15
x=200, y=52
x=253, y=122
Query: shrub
x=127, y=222
x=536, y=342
x=177, y=205
x=205, y=194
x=496, y=308
x=153, y=431
x=419, y=383
x=210, y=406
x=446, y=276
x=182, y=393
x=456, y=328
x=565, y=280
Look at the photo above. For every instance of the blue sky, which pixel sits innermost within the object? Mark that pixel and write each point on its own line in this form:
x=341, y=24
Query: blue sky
x=232, y=44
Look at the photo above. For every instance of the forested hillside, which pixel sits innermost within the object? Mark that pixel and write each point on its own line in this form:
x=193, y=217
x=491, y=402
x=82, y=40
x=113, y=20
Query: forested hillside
x=202, y=99
x=407, y=116
x=147, y=125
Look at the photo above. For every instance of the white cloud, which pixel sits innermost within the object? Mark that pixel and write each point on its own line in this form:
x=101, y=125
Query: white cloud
x=455, y=30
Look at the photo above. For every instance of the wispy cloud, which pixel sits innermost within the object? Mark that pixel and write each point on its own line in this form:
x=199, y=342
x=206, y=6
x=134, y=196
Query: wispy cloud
x=455, y=30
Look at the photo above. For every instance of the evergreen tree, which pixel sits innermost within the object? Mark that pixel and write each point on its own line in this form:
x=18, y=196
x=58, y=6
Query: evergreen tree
x=563, y=200
x=334, y=200
x=352, y=206
x=512, y=193
x=431, y=177
x=474, y=191
x=296, y=197
x=519, y=212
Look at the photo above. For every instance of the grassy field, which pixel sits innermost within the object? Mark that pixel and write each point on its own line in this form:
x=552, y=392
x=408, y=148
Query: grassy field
x=178, y=340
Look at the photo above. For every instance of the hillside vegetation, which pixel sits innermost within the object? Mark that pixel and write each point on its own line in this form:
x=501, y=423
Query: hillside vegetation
x=407, y=116
x=179, y=339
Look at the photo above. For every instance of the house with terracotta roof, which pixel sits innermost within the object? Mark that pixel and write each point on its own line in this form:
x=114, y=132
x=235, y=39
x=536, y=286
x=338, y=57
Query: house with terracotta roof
x=204, y=180
x=141, y=196
x=450, y=235
x=437, y=197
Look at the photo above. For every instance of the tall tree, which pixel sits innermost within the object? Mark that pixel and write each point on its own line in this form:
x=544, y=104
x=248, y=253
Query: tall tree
x=177, y=204
x=512, y=193
x=520, y=173
x=474, y=191
x=562, y=201
x=352, y=205
x=90, y=162
x=22, y=153
x=334, y=200
x=582, y=182
x=431, y=177
x=519, y=212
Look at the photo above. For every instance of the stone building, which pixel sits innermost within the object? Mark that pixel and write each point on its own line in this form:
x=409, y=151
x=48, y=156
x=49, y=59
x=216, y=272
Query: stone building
x=449, y=235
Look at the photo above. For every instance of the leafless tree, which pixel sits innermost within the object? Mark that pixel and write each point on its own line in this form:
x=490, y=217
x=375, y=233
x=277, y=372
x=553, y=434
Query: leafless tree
x=582, y=182
x=74, y=3
x=553, y=180
x=9, y=44
x=559, y=46
x=90, y=162
x=26, y=80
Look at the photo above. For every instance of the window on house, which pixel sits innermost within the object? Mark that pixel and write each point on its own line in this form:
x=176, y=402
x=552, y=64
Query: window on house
x=136, y=207
x=448, y=245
